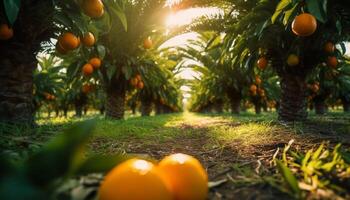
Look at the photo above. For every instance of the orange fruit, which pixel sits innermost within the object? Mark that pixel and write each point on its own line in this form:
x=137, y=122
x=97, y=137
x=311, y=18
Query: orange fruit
x=293, y=60
x=88, y=39
x=262, y=63
x=88, y=69
x=6, y=32
x=332, y=61
x=315, y=88
x=140, y=85
x=257, y=80
x=95, y=62
x=60, y=50
x=184, y=176
x=138, y=77
x=261, y=92
x=147, y=43
x=86, y=88
x=134, y=82
x=134, y=179
x=329, y=47
x=93, y=8
x=304, y=25
x=253, y=88
x=68, y=41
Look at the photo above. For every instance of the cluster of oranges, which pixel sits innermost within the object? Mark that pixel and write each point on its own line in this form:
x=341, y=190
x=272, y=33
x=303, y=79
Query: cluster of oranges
x=256, y=89
x=69, y=42
x=93, y=64
x=176, y=177
x=332, y=61
x=137, y=82
x=49, y=96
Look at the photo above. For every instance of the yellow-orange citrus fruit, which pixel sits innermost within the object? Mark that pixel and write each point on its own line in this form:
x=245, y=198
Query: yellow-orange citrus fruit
x=293, y=60
x=88, y=69
x=95, y=62
x=261, y=92
x=304, y=25
x=254, y=93
x=315, y=88
x=88, y=39
x=329, y=47
x=257, y=80
x=86, y=88
x=134, y=179
x=68, y=41
x=332, y=61
x=262, y=63
x=185, y=176
x=253, y=88
x=6, y=32
x=93, y=8
x=147, y=43
x=140, y=85
x=134, y=82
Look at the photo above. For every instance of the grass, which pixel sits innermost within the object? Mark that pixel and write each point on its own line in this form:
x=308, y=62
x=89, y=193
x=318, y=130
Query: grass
x=234, y=149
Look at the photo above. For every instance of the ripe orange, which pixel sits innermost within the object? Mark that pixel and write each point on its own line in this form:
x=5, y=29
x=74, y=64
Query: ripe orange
x=138, y=77
x=95, y=62
x=6, y=32
x=332, y=61
x=329, y=47
x=147, y=43
x=86, y=88
x=185, y=176
x=134, y=179
x=262, y=63
x=253, y=88
x=315, y=88
x=293, y=60
x=68, y=41
x=140, y=85
x=257, y=80
x=261, y=92
x=88, y=39
x=88, y=69
x=304, y=25
x=134, y=82
x=93, y=8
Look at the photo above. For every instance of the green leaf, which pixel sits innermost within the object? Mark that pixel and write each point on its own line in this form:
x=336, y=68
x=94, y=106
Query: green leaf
x=118, y=11
x=111, y=69
x=60, y=157
x=12, y=9
x=289, y=13
x=318, y=8
x=127, y=71
x=101, y=163
x=281, y=5
x=289, y=177
x=101, y=51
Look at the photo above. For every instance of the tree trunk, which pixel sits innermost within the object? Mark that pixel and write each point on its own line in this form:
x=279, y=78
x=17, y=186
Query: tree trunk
x=115, y=103
x=65, y=112
x=78, y=110
x=257, y=107
x=16, y=85
x=320, y=107
x=293, y=105
x=146, y=108
x=235, y=101
x=346, y=105
x=159, y=108
x=219, y=107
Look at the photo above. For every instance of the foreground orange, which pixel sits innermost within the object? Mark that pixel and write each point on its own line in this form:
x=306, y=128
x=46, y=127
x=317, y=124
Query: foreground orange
x=93, y=8
x=88, y=39
x=88, y=69
x=304, y=25
x=95, y=62
x=185, y=177
x=68, y=41
x=134, y=179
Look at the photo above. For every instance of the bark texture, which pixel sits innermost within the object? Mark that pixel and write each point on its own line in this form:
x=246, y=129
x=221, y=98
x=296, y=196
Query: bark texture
x=146, y=108
x=346, y=105
x=235, y=101
x=115, y=103
x=293, y=105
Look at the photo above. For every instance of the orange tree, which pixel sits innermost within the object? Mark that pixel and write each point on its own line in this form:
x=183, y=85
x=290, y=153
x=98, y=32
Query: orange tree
x=293, y=46
x=25, y=26
x=222, y=76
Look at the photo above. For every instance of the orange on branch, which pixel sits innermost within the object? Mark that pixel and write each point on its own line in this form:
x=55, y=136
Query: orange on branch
x=258, y=80
x=262, y=63
x=138, y=77
x=6, y=32
x=134, y=179
x=134, y=82
x=185, y=176
x=293, y=60
x=68, y=41
x=88, y=69
x=329, y=47
x=147, y=43
x=304, y=25
x=253, y=88
x=332, y=61
x=88, y=39
x=93, y=8
x=95, y=62
x=140, y=85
